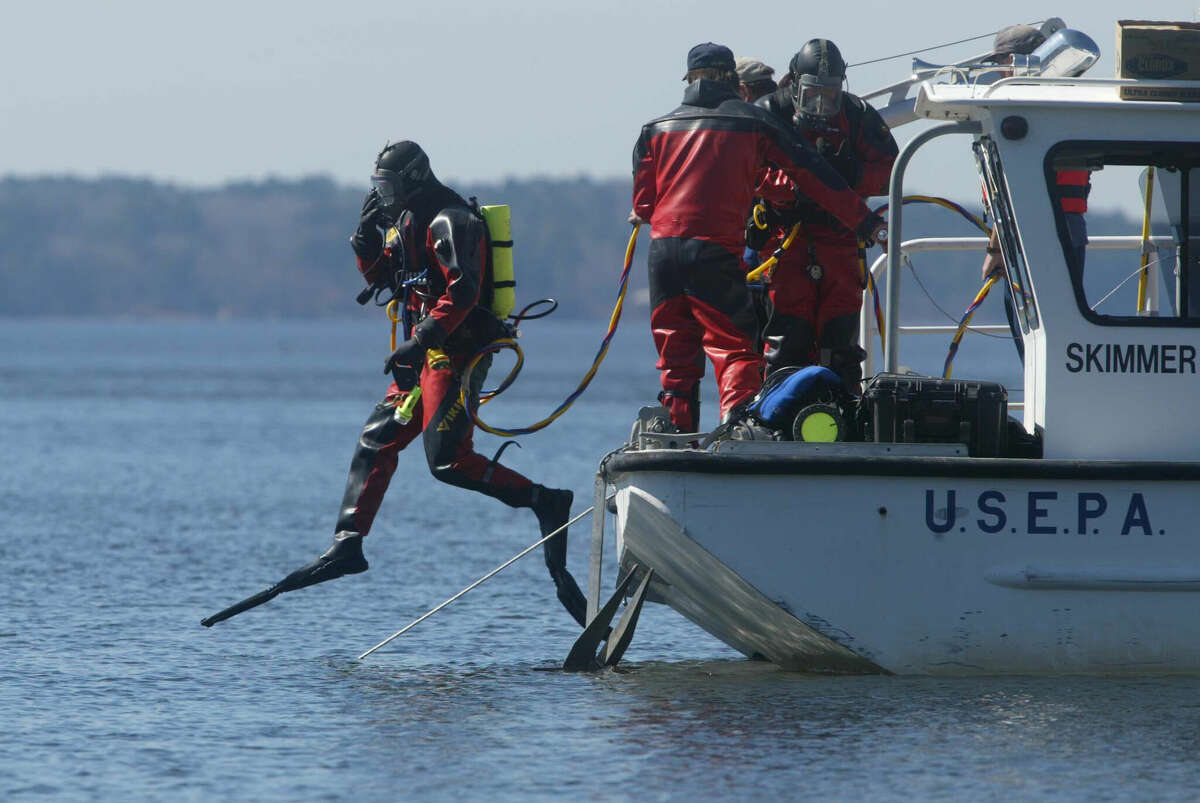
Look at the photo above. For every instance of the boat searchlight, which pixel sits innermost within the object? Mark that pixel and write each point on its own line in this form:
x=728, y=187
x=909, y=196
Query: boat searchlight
x=1067, y=53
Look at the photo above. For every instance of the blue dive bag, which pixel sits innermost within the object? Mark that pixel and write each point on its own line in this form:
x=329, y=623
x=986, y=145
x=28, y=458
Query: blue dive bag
x=787, y=390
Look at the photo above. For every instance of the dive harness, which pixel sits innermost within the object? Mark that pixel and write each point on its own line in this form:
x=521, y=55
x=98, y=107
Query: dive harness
x=759, y=218
x=497, y=220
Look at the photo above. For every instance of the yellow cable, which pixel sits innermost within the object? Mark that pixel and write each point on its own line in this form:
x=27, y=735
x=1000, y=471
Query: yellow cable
x=869, y=284
x=962, y=326
x=942, y=202
x=1145, y=274
x=983, y=291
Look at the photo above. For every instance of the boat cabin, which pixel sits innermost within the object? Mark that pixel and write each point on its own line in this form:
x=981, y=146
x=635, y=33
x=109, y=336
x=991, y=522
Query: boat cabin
x=1109, y=339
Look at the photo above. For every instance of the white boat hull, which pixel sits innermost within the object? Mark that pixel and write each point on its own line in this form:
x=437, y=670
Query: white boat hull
x=952, y=572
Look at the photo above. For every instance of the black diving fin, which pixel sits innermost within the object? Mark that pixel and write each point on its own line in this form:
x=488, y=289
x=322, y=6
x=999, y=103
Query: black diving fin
x=344, y=557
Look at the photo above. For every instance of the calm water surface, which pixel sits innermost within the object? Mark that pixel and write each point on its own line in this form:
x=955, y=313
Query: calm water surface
x=153, y=473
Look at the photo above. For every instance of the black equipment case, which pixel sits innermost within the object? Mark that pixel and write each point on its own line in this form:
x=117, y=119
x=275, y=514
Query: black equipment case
x=918, y=409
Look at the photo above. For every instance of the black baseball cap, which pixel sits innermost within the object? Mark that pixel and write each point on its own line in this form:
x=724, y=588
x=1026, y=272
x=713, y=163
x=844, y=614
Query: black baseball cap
x=710, y=55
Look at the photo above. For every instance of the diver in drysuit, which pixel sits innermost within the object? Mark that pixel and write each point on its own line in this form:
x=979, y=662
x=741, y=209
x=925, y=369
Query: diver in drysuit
x=440, y=262
x=816, y=289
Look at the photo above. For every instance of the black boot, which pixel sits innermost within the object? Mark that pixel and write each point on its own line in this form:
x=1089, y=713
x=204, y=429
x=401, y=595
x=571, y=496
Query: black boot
x=344, y=557
x=553, y=509
x=684, y=409
x=840, y=352
x=789, y=341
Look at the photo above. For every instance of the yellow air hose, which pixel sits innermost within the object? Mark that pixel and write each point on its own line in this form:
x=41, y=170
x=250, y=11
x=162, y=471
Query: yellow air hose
x=393, y=314
x=511, y=345
x=768, y=266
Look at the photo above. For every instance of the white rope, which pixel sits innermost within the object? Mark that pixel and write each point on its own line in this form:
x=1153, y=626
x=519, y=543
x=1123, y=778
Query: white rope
x=478, y=582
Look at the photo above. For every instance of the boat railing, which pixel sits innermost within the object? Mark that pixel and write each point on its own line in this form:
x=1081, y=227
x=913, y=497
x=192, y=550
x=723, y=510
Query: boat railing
x=1033, y=80
x=867, y=324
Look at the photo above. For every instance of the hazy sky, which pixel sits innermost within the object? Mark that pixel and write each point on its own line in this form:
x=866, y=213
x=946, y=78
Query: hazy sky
x=205, y=93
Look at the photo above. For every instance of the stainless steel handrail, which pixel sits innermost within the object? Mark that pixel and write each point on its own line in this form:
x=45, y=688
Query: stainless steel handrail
x=867, y=330
x=895, y=224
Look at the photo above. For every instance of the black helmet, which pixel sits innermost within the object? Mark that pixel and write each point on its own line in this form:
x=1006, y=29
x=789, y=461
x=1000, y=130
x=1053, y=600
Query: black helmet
x=401, y=170
x=818, y=71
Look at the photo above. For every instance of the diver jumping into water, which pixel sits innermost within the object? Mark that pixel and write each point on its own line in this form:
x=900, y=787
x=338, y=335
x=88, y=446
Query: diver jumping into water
x=438, y=261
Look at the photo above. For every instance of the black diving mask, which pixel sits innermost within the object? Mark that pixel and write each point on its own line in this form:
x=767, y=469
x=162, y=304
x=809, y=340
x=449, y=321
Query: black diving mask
x=817, y=97
x=391, y=188
x=397, y=188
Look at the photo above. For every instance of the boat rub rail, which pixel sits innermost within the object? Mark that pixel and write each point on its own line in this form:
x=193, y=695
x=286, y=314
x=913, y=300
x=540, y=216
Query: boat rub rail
x=900, y=466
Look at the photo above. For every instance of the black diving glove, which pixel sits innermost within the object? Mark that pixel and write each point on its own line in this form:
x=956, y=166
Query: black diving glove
x=409, y=354
x=366, y=241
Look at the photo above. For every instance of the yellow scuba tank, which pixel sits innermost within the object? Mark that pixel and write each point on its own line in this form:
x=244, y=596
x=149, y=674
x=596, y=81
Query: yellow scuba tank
x=498, y=219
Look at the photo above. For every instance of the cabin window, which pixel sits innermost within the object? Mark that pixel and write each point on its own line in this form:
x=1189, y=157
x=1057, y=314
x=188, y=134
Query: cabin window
x=1133, y=255
x=995, y=191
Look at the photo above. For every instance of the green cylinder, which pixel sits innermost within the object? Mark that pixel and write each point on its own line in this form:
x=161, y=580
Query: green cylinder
x=498, y=219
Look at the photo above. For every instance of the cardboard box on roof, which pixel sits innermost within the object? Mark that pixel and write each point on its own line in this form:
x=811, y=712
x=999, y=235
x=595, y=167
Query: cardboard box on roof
x=1158, y=51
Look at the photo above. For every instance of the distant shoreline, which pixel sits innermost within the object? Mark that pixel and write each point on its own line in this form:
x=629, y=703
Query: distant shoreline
x=125, y=248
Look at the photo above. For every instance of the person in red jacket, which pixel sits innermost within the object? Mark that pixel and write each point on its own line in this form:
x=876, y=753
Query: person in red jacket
x=443, y=258
x=694, y=172
x=816, y=288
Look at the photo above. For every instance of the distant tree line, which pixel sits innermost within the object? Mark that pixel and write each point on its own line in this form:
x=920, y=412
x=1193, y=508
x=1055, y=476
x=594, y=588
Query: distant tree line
x=279, y=248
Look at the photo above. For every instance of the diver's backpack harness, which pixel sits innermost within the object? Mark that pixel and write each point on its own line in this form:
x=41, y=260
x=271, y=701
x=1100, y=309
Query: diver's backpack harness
x=500, y=300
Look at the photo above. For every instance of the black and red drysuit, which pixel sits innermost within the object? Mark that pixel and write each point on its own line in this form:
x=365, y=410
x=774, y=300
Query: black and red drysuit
x=816, y=288
x=693, y=178
x=444, y=239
